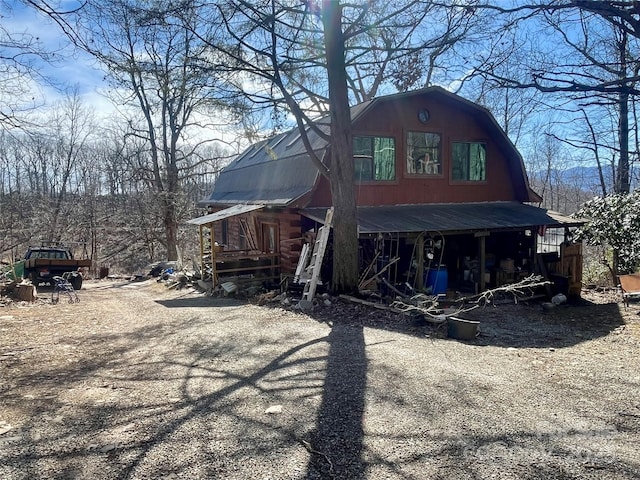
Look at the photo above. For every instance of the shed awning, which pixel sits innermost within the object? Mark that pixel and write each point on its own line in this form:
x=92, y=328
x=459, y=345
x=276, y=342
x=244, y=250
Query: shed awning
x=226, y=213
x=452, y=217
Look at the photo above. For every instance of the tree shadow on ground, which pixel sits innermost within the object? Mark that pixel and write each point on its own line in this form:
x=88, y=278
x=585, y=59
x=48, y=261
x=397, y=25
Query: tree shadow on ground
x=337, y=440
x=189, y=301
x=539, y=325
x=215, y=399
x=114, y=368
x=521, y=325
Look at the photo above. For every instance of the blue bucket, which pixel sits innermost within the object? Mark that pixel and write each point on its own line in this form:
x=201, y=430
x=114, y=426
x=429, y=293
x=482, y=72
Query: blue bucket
x=437, y=279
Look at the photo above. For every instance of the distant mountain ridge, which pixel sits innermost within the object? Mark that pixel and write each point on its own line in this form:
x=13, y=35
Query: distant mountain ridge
x=582, y=177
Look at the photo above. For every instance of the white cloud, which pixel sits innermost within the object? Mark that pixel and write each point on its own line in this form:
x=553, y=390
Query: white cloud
x=64, y=68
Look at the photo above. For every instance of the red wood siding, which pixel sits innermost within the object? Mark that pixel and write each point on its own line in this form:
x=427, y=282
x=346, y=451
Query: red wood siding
x=290, y=241
x=289, y=227
x=453, y=123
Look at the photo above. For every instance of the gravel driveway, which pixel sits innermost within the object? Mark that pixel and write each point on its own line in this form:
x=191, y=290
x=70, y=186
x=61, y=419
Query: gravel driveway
x=140, y=382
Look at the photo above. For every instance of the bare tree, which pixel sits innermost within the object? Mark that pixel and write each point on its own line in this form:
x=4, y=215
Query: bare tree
x=304, y=57
x=20, y=52
x=161, y=72
x=589, y=59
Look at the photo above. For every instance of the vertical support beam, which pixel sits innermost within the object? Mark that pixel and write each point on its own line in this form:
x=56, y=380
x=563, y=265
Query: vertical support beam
x=213, y=257
x=483, y=261
x=482, y=243
x=201, y=231
x=420, y=262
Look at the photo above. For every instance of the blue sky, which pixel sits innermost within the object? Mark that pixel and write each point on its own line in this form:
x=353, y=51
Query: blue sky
x=69, y=69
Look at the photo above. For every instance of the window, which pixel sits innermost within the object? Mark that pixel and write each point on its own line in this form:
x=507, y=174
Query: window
x=225, y=231
x=468, y=161
x=374, y=158
x=423, y=153
x=243, y=238
x=269, y=238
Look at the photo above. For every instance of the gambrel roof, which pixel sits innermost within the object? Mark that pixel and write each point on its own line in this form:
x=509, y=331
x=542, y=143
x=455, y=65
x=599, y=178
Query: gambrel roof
x=279, y=172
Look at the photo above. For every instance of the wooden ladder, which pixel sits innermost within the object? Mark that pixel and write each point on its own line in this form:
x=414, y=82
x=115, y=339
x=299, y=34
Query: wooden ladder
x=302, y=263
x=315, y=263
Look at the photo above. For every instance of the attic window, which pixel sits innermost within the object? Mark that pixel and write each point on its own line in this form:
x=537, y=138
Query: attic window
x=468, y=161
x=423, y=153
x=374, y=158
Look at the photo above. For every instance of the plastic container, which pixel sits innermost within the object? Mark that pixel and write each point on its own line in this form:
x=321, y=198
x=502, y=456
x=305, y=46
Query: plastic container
x=461, y=329
x=437, y=279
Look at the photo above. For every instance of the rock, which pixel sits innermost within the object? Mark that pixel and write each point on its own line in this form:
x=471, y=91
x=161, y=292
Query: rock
x=274, y=409
x=5, y=427
x=206, y=286
x=548, y=306
x=305, y=305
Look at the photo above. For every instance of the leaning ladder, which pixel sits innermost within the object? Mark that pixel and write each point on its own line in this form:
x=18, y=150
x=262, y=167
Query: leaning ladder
x=315, y=264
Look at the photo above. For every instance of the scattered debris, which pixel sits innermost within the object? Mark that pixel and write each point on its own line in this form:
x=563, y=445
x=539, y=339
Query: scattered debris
x=305, y=305
x=108, y=448
x=229, y=287
x=25, y=291
x=4, y=427
x=274, y=409
x=64, y=287
x=559, y=299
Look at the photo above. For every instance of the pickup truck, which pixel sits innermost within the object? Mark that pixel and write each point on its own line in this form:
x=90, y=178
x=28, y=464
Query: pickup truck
x=41, y=264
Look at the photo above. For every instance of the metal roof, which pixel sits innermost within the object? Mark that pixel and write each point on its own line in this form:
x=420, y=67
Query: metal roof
x=276, y=183
x=451, y=217
x=226, y=213
x=277, y=171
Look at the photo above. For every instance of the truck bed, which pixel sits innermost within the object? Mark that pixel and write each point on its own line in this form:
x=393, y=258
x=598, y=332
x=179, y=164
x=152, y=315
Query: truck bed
x=55, y=262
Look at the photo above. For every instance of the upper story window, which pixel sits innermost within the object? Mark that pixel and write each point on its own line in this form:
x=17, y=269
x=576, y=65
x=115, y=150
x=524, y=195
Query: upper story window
x=374, y=158
x=468, y=161
x=423, y=153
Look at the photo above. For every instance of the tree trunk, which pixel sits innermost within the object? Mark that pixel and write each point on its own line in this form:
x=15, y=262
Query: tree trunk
x=622, y=176
x=171, y=231
x=341, y=178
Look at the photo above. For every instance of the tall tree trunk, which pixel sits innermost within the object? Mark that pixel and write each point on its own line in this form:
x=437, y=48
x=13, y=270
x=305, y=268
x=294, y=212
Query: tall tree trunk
x=171, y=230
x=171, y=206
x=622, y=183
x=622, y=176
x=341, y=178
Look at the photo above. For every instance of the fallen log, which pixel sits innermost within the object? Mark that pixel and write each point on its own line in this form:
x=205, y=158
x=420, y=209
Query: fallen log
x=360, y=301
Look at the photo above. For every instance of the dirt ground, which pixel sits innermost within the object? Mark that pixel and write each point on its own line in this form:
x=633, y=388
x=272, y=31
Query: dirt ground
x=136, y=381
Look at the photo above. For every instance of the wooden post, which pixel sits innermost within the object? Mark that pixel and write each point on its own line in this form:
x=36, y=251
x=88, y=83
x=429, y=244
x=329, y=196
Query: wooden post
x=201, y=229
x=420, y=262
x=483, y=258
x=213, y=257
x=483, y=261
